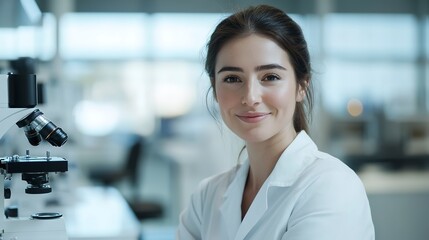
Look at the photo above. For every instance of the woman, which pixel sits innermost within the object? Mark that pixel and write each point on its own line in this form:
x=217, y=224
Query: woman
x=259, y=68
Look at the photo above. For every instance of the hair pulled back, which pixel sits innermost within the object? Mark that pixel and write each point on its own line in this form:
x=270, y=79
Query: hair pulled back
x=279, y=27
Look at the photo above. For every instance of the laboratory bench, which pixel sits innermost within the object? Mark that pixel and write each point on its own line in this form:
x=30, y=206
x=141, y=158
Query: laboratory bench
x=399, y=201
x=89, y=212
x=100, y=213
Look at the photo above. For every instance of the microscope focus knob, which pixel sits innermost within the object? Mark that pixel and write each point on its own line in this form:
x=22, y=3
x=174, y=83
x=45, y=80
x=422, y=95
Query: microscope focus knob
x=7, y=193
x=37, y=183
x=11, y=211
x=38, y=190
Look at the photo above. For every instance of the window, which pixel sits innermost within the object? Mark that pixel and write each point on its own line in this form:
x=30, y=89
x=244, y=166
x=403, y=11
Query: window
x=124, y=36
x=103, y=36
x=181, y=35
x=158, y=75
x=29, y=41
x=371, y=58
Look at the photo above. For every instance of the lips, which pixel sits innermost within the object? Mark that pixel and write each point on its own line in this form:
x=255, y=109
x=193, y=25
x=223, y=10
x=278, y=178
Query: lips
x=253, y=117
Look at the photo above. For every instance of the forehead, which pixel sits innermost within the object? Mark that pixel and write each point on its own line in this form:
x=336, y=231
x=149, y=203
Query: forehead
x=250, y=51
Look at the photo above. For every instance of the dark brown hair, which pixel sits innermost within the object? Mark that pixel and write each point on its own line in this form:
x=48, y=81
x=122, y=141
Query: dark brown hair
x=278, y=26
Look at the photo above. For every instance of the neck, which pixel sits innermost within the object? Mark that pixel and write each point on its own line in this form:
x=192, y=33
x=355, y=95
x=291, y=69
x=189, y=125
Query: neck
x=264, y=156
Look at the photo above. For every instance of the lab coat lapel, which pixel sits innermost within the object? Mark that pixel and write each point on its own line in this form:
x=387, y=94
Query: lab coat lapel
x=297, y=156
x=231, y=207
x=254, y=214
x=288, y=168
x=290, y=165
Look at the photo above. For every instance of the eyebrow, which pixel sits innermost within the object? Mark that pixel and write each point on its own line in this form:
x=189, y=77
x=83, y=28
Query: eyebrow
x=269, y=66
x=258, y=68
x=230, y=69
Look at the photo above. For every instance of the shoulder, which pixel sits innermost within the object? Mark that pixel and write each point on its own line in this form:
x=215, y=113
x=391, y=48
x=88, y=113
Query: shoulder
x=333, y=196
x=327, y=166
x=329, y=177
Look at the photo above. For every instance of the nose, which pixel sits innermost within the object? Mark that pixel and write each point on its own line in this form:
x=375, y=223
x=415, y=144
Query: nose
x=251, y=93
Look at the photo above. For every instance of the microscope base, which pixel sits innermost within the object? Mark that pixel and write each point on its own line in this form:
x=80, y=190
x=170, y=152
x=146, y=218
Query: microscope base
x=34, y=229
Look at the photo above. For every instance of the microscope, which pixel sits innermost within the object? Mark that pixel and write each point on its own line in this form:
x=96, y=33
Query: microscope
x=18, y=98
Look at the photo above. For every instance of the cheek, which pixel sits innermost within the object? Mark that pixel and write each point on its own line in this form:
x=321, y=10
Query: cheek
x=225, y=106
x=282, y=98
x=225, y=98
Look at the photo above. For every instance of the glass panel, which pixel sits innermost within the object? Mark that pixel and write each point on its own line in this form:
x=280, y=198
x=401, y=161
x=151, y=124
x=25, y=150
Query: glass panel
x=427, y=84
x=181, y=35
x=103, y=35
x=388, y=86
x=8, y=48
x=427, y=38
x=29, y=41
x=133, y=94
x=48, y=45
x=425, y=71
x=371, y=35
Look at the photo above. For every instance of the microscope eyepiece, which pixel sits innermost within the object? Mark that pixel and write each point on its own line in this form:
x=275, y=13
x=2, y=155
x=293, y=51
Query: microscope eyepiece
x=36, y=126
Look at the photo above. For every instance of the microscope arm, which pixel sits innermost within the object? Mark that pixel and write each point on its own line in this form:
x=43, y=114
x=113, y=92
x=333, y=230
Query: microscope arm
x=9, y=116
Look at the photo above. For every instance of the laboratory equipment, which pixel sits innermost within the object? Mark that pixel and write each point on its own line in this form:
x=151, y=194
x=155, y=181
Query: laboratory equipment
x=18, y=97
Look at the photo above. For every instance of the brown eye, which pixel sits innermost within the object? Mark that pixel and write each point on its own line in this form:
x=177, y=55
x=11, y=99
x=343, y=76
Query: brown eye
x=271, y=77
x=231, y=79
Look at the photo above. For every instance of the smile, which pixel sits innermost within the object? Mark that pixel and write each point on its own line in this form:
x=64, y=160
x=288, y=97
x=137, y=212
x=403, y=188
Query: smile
x=253, y=117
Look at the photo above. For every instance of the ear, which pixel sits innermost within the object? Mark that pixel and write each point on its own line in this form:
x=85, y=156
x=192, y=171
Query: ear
x=301, y=93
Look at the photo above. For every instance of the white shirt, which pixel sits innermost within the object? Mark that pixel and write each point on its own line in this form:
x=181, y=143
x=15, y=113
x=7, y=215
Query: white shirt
x=309, y=195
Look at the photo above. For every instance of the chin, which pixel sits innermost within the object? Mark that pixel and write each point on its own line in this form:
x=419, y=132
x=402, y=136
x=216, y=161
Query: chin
x=253, y=137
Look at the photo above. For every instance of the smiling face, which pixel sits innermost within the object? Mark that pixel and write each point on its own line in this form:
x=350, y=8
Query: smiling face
x=256, y=89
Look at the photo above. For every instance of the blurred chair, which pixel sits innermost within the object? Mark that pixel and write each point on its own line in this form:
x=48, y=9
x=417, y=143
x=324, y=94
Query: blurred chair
x=110, y=176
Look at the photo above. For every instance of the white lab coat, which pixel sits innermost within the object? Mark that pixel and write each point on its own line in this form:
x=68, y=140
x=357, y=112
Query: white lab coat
x=309, y=195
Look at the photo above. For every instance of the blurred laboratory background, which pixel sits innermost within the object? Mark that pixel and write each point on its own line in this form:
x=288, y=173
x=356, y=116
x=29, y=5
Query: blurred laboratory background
x=125, y=80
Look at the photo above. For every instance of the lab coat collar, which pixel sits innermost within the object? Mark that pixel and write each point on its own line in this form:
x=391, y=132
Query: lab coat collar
x=231, y=207
x=297, y=156
x=288, y=168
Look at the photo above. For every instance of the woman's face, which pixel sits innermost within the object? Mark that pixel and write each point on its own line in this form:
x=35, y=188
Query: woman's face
x=256, y=88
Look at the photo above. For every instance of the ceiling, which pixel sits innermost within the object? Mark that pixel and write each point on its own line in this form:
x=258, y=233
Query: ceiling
x=207, y=6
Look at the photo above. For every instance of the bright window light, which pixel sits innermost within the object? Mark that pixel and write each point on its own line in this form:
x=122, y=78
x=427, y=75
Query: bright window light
x=8, y=43
x=174, y=88
x=96, y=119
x=29, y=41
x=119, y=36
x=181, y=35
x=26, y=41
x=371, y=35
x=103, y=35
